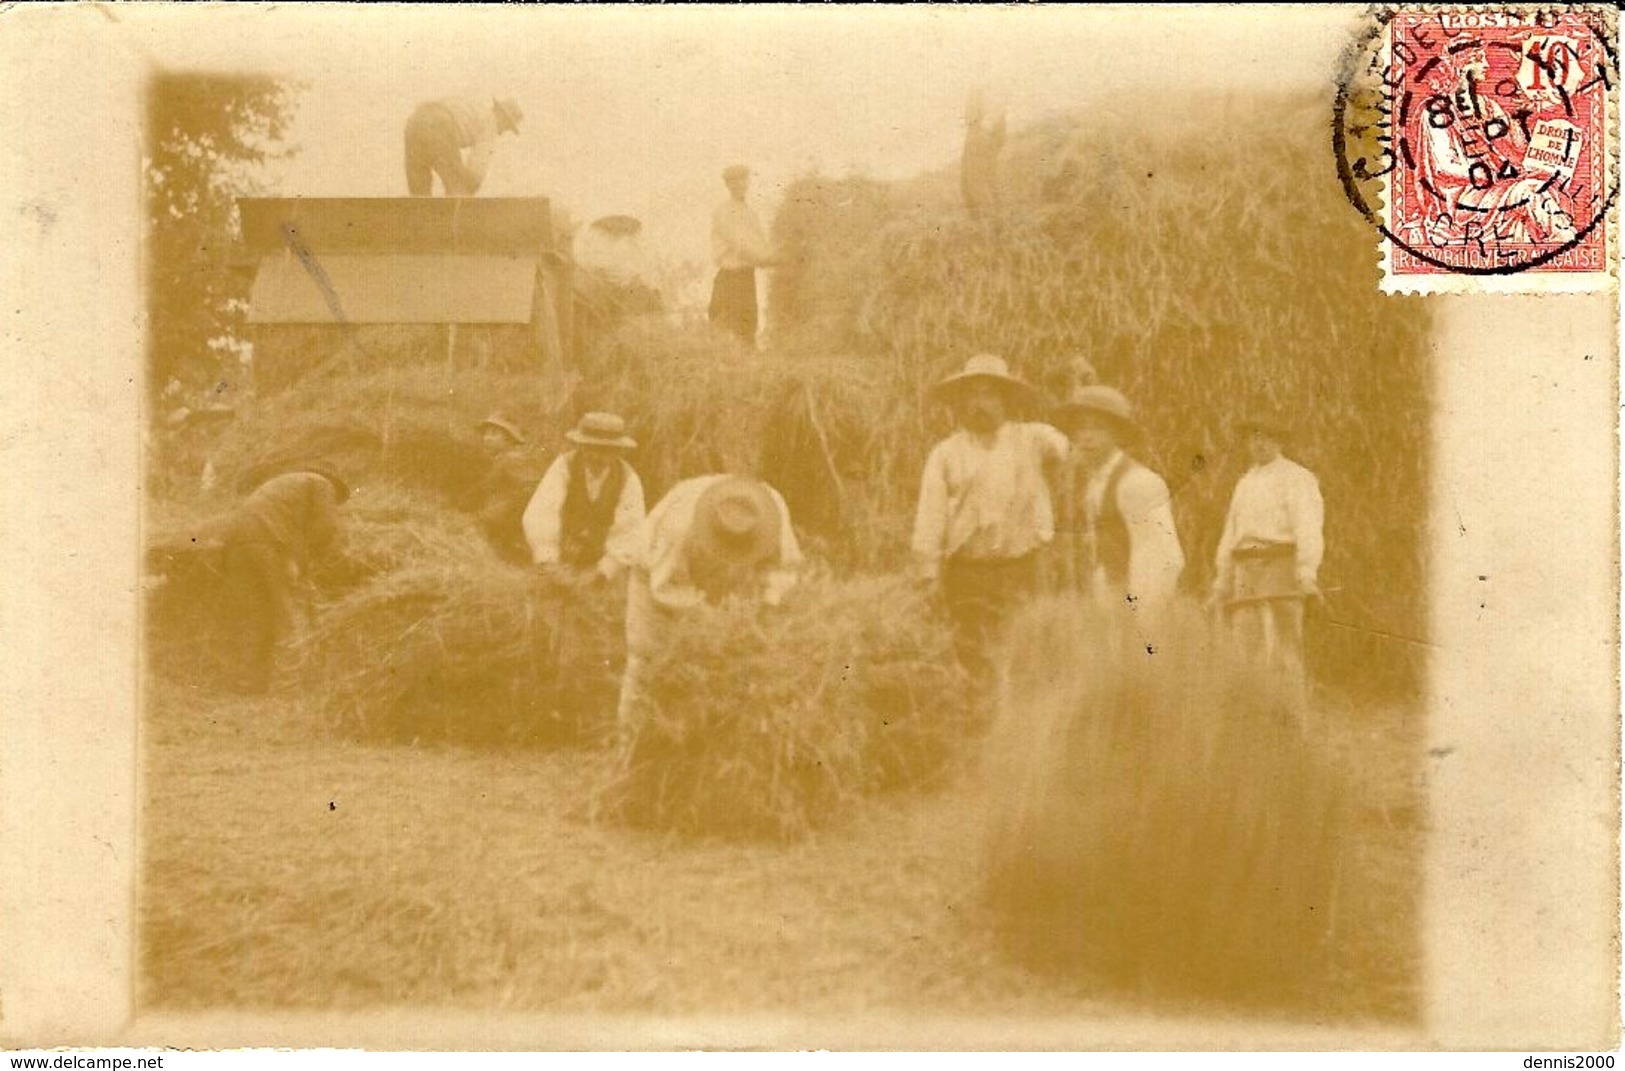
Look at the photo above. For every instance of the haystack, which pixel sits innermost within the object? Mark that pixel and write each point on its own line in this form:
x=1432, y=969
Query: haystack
x=187, y=617
x=767, y=721
x=1205, y=261
x=828, y=228
x=1158, y=819
x=408, y=428
x=467, y=650
x=832, y=433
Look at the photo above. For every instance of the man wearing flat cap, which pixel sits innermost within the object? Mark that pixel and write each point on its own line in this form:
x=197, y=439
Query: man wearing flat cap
x=454, y=138
x=1269, y=553
x=586, y=512
x=740, y=246
x=710, y=539
x=1115, y=531
x=270, y=542
x=984, y=510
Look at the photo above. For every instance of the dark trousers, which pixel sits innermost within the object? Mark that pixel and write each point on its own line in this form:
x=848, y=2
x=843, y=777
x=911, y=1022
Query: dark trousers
x=259, y=606
x=433, y=147
x=733, y=302
x=982, y=596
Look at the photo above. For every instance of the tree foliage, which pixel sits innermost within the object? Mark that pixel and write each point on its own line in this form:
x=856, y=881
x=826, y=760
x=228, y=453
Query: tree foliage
x=208, y=138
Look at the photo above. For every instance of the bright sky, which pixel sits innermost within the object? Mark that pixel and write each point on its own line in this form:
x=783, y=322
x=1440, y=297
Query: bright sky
x=636, y=110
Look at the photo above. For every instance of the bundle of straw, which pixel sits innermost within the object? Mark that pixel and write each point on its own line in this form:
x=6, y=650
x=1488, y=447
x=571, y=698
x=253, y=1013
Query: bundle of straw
x=390, y=427
x=1159, y=819
x=833, y=434
x=826, y=226
x=766, y=721
x=472, y=651
x=383, y=529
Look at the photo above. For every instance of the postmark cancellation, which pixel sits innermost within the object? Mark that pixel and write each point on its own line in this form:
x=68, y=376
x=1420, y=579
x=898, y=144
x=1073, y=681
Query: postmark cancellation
x=1482, y=144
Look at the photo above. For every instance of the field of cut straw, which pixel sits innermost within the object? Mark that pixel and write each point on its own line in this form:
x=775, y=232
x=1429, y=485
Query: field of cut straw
x=284, y=868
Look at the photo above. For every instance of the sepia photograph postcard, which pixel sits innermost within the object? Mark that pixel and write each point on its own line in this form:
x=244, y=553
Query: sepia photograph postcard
x=922, y=527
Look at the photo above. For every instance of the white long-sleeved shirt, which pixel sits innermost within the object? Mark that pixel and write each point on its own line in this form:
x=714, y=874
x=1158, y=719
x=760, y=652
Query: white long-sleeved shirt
x=662, y=547
x=985, y=497
x=476, y=130
x=737, y=238
x=660, y=583
x=541, y=521
x=1156, y=558
x=1275, y=503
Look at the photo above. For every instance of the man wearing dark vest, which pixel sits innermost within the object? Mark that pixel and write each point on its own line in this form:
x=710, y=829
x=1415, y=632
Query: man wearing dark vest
x=1115, y=532
x=585, y=516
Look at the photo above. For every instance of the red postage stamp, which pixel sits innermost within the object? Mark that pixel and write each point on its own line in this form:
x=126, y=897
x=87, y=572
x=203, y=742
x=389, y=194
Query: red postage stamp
x=1495, y=148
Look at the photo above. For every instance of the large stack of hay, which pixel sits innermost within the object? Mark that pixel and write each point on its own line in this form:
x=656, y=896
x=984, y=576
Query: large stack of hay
x=767, y=721
x=835, y=435
x=397, y=428
x=827, y=227
x=1205, y=261
x=1159, y=821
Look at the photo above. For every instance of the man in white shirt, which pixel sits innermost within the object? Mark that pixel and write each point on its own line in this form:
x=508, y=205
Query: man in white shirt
x=740, y=246
x=984, y=510
x=454, y=139
x=1269, y=554
x=1115, y=526
x=585, y=515
x=711, y=538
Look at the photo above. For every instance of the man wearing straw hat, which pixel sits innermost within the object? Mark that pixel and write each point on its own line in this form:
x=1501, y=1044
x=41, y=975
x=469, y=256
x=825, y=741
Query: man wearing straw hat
x=454, y=138
x=1115, y=528
x=269, y=543
x=497, y=499
x=711, y=539
x=1269, y=553
x=585, y=514
x=984, y=510
x=740, y=247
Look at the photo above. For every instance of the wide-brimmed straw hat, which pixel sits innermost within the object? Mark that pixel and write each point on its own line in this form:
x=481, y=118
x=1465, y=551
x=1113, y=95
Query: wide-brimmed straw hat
x=503, y=424
x=736, y=525
x=259, y=477
x=986, y=368
x=341, y=489
x=1097, y=400
x=509, y=114
x=601, y=429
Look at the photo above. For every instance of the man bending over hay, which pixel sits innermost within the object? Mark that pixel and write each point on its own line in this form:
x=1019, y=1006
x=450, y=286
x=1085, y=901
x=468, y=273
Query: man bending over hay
x=269, y=543
x=1115, y=529
x=711, y=539
x=984, y=509
x=586, y=512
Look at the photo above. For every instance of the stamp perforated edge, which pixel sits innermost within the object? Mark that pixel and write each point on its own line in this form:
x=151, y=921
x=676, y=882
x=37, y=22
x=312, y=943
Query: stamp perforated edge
x=1524, y=282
